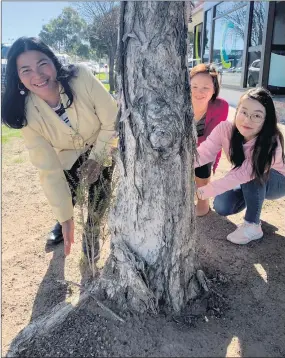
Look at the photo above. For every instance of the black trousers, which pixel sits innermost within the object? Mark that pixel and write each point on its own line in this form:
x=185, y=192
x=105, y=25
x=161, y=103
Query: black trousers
x=98, y=191
x=204, y=171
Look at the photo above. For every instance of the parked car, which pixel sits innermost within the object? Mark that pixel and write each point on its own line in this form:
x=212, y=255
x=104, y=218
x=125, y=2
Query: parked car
x=253, y=73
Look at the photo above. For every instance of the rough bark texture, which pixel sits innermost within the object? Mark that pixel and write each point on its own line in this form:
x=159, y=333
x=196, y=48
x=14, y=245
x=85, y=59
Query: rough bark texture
x=152, y=260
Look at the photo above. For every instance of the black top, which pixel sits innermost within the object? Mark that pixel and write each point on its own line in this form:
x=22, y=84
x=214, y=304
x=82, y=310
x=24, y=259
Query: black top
x=200, y=126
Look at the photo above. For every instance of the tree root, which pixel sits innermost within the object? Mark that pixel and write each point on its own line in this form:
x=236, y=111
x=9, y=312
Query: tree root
x=99, y=303
x=202, y=279
x=56, y=317
x=43, y=325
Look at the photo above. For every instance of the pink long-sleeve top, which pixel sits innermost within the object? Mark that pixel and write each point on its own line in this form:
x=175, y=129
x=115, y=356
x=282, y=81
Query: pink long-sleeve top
x=217, y=112
x=220, y=139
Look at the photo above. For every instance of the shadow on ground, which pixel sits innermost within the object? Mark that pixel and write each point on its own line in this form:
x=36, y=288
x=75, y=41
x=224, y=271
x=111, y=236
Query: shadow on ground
x=51, y=292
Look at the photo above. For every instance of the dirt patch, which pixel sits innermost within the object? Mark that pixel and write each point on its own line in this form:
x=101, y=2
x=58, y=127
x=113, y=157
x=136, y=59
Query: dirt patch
x=252, y=278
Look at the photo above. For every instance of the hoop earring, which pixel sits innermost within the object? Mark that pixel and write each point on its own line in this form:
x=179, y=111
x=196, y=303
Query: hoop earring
x=22, y=90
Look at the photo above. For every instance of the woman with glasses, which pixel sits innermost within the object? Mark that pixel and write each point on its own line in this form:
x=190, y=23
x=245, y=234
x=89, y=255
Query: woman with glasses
x=67, y=119
x=209, y=111
x=254, y=146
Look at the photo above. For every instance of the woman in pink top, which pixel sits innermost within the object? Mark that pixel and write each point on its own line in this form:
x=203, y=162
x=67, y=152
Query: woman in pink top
x=209, y=111
x=255, y=147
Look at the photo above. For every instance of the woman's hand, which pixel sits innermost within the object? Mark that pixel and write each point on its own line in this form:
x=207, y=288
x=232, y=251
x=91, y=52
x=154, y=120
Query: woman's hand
x=91, y=170
x=68, y=235
x=199, y=194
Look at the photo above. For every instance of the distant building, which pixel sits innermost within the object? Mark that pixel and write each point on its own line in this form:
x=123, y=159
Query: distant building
x=245, y=39
x=195, y=27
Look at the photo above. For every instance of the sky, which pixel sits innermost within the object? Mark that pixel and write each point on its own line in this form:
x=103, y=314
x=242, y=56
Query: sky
x=26, y=18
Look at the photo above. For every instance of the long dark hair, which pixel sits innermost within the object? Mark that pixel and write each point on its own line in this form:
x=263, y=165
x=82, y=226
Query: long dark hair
x=13, y=103
x=266, y=140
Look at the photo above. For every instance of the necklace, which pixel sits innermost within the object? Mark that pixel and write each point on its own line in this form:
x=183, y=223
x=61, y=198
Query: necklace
x=57, y=107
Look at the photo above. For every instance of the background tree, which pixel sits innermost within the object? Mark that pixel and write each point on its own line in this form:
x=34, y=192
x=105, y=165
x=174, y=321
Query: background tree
x=152, y=259
x=66, y=33
x=238, y=18
x=83, y=51
x=103, y=20
x=258, y=21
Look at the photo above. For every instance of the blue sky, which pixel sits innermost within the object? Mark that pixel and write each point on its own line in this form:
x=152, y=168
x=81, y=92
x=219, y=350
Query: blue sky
x=26, y=18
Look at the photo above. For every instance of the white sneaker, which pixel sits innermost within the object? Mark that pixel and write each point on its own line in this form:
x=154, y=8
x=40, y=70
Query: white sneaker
x=245, y=233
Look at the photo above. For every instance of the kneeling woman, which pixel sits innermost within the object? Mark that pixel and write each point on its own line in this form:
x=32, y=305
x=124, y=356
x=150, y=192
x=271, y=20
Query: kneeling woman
x=209, y=110
x=255, y=147
x=67, y=119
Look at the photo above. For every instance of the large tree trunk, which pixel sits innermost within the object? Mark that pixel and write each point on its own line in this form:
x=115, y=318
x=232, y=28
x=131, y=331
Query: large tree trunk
x=152, y=225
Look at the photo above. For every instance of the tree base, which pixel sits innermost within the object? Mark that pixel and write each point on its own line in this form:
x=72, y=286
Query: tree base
x=124, y=281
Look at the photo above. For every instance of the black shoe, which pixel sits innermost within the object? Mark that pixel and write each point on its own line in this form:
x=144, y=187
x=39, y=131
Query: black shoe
x=55, y=236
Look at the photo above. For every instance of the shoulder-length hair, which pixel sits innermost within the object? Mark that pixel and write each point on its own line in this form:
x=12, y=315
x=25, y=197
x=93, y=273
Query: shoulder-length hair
x=13, y=103
x=209, y=69
x=266, y=141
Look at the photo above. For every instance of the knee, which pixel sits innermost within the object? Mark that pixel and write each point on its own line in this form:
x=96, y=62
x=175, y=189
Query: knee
x=221, y=207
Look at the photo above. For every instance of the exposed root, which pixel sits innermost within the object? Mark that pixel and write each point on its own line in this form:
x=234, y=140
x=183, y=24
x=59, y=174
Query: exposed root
x=202, y=279
x=99, y=303
x=43, y=325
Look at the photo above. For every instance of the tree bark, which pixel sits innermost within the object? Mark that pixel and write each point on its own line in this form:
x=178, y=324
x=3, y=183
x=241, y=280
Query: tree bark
x=152, y=224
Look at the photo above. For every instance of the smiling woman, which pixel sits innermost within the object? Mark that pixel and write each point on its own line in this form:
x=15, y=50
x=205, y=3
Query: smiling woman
x=22, y=67
x=37, y=73
x=209, y=111
x=67, y=120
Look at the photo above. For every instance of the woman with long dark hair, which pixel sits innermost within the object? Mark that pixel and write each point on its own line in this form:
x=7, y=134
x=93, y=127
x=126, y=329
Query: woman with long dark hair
x=67, y=119
x=255, y=147
x=209, y=110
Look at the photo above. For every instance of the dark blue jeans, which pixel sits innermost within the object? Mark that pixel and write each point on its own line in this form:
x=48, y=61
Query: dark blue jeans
x=250, y=196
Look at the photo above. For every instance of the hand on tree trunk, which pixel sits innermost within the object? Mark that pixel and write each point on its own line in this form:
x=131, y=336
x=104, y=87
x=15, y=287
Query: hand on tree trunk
x=199, y=194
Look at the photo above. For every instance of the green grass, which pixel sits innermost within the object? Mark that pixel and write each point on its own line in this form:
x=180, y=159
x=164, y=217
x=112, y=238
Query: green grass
x=102, y=77
x=8, y=133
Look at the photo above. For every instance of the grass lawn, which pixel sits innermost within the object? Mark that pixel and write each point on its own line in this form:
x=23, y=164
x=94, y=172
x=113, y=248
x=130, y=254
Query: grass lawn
x=8, y=133
x=102, y=77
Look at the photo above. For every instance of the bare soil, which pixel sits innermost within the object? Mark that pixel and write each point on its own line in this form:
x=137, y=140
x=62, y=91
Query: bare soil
x=249, y=323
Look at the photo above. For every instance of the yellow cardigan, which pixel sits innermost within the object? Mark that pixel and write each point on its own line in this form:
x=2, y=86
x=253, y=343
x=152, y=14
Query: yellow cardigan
x=53, y=146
